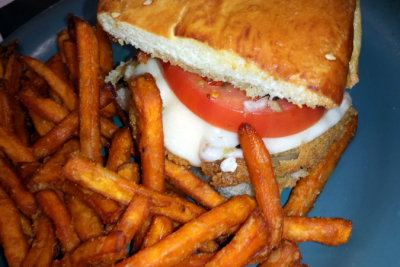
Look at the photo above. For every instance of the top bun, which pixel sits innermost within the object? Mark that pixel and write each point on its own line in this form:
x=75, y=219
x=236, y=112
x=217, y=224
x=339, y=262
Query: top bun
x=301, y=50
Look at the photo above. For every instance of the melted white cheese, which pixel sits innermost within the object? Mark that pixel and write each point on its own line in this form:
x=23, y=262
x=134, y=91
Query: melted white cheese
x=191, y=138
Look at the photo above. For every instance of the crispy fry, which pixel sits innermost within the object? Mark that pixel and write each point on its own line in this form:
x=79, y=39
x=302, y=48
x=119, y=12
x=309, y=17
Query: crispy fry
x=105, y=51
x=286, y=255
x=43, y=247
x=148, y=105
x=133, y=217
x=108, y=210
x=89, y=90
x=58, y=85
x=259, y=163
x=20, y=124
x=51, y=171
x=88, y=252
x=44, y=107
x=42, y=126
x=109, y=184
x=62, y=132
x=59, y=68
x=195, y=260
x=307, y=190
x=327, y=231
x=14, y=148
x=6, y=111
x=121, y=149
x=86, y=223
x=192, y=185
x=62, y=36
x=24, y=200
x=184, y=242
x=160, y=227
x=250, y=238
x=71, y=60
x=12, y=236
x=55, y=209
x=13, y=73
x=129, y=171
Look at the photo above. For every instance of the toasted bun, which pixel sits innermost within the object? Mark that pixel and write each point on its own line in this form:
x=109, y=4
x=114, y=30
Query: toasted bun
x=299, y=50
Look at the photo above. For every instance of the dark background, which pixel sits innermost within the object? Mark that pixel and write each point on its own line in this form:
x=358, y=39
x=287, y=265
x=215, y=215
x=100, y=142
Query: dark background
x=18, y=12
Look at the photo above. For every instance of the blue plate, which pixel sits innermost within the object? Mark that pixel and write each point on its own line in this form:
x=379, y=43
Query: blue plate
x=364, y=187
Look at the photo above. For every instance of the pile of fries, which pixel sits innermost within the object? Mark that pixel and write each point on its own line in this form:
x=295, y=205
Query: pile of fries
x=71, y=195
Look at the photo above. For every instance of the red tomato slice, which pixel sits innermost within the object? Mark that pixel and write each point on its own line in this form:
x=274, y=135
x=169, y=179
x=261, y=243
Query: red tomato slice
x=222, y=105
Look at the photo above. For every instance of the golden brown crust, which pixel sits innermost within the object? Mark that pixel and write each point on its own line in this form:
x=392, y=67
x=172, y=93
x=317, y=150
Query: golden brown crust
x=286, y=163
x=307, y=43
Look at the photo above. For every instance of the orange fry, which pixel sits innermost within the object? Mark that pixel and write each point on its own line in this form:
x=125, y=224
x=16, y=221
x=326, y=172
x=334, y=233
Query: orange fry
x=121, y=149
x=141, y=235
x=81, y=171
x=160, y=227
x=259, y=163
x=105, y=51
x=133, y=217
x=58, y=85
x=71, y=60
x=89, y=252
x=57, y=65
x=89, y=90
x=195, y=260
x=51, y=170
x=250, y=238
x=108, y=210
x=24, y=199
x=287, y=254
x=327, y=231
x=14, y=148
x=184, y=242
x=20, y=124
x=101, y=180
x=129, y=171
x=55, y=209
x=12, y=236
x=62, y=132
x=44, y=107
x=6, y=110
x=107, y=127
x=13, y=73
x=86, y=222
x=43, y=247
x=307, y=190
x=192, y=185
x=148, y=105
x=42, y=126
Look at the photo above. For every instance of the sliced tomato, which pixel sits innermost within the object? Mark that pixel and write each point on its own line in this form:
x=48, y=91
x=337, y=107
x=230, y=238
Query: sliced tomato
x=222, y=105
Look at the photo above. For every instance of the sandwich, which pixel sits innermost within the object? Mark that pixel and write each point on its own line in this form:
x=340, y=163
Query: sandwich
x=282, y=66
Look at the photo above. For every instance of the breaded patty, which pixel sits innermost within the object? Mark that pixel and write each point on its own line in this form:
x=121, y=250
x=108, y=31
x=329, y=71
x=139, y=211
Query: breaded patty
x=290, y=165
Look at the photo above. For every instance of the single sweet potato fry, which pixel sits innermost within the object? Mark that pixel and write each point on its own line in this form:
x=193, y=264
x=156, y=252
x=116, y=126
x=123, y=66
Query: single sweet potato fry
x=148, y=105
x=42, y=126
x=184, y=242
x=192, y=185
x=89, y=90
x=327, y=231
x=43, y=246
x=12, y=236
x=99, y=179
x=195, y=260
x=121, y=149
x=129, y=171
x=71, y=60
x=58, y=85
x=259, y=163
x=60, y=69
x=24, y=199
x=250, y=238
x=55, y=209
x=62, y=132
x=160, y=227
x=307, y=190
x=105, y=51
x=86, y=222
x=286, y=255
x=133, y=217
x=14, y=148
